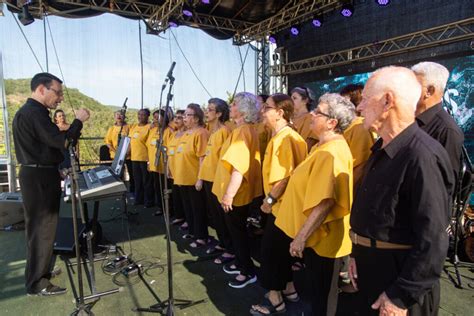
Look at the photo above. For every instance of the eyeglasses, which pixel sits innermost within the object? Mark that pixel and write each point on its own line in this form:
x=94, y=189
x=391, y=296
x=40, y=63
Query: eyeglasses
x=59, y=93
x=267, y=107
x=318, y=112
x=178, y=117
x=211, y=110
x=189, y=114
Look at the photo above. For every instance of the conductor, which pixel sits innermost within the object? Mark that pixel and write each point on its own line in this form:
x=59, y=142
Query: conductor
x=39, y=146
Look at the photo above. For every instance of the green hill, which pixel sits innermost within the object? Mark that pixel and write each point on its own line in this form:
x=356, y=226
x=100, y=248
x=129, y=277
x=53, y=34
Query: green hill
x=18, y=90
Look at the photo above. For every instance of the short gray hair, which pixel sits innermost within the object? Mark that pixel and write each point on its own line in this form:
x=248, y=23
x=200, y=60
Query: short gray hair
x=247, y=104
x=339, y=108
x=434, y=74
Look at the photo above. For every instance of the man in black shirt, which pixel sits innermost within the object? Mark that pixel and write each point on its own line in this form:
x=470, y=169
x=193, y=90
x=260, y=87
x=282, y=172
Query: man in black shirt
x=431, y=116
x=400, y=212
x=39, y=146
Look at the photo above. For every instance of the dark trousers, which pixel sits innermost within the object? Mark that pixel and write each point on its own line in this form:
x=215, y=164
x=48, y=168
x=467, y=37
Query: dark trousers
x=276, y=260
x=158, y=187
x=131, y=179
x=321, y=276
x=195, y=210
x=178, y=207
x=41, y=192
x=377, y=269
x=143, y=183
x=236, y=221
x=217, y=218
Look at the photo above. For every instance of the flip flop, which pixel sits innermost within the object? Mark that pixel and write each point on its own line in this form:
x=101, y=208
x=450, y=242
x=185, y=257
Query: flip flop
x=272, y=309
x=198, y=244
x=223, y=259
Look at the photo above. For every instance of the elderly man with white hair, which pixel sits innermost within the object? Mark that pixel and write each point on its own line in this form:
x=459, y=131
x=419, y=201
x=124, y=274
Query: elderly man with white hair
x=400, y=211
x=430, y=115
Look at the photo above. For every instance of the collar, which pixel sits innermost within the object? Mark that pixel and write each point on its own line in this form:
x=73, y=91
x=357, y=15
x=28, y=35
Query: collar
x=38, y=105
x=398, y=143
x=426, y=117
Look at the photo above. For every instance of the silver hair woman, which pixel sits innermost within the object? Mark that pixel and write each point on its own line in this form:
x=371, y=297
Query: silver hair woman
x=247, y=104
x=339, y=108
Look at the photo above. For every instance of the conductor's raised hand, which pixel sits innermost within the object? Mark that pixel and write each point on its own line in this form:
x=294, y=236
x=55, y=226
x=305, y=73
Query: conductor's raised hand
x=82, y=114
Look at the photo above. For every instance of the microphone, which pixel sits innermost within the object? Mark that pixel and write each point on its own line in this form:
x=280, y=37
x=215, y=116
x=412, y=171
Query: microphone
x=170, y=72
x=124, y=107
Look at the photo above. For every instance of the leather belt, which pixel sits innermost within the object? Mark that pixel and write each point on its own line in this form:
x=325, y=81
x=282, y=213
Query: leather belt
x=40, y=166
x=372, y=243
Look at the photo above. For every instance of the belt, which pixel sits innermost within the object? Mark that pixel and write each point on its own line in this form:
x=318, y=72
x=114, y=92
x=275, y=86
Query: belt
x=40, y=166
x=372, y=243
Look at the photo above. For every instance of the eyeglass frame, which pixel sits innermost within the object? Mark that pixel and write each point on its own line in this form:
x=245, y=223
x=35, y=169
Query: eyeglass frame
x=58, y=93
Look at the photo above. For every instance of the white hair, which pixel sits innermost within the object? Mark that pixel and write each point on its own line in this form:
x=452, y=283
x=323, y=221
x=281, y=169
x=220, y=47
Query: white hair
x=248, y=105
x=434, y=74
x=340, y=109
x=401, y=82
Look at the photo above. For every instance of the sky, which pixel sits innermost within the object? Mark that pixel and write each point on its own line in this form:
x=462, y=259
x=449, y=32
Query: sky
x=100, y=56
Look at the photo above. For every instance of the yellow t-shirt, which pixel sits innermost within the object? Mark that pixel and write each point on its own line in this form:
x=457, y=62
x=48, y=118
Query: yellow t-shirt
x=302, y=126
x=151, y=144
x=264, y=136
x=111, y=138
x=189, y=149
x=286, y=150
x=213, y=152
x=325, y=174
x=241, y=152
x=359, y=140
x=139, y=135
x=231, y=125
x=171, y=145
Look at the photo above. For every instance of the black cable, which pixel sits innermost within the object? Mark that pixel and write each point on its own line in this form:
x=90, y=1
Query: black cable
x=26, y=39
x=241, y=70
x=189, y=64
x=242, y=64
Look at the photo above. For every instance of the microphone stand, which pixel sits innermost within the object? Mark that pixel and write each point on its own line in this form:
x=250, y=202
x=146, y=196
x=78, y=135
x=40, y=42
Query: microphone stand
x=167, y=306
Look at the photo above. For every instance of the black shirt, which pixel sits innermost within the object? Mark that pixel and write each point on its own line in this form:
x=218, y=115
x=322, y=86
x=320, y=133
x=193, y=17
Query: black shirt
x=441, y=126
x=403, y=198
x=37, y=139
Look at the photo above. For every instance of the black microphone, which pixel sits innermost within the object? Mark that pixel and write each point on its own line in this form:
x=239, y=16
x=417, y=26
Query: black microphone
x=170, y=72
x=124, y=107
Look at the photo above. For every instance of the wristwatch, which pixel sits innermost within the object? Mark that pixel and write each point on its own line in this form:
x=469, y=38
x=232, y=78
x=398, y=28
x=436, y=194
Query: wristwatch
x=270, y=199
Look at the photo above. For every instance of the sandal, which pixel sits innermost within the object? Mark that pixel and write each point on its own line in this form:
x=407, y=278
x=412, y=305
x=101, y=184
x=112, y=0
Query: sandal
x=292, y=297
x=214, y=250
x=297, y=266
x=272, y=309
x=223, y=259
x=198, y=243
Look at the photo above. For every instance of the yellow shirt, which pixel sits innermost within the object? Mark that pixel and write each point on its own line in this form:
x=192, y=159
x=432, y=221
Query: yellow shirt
x=231, y=125
x=360, y=141
x=325, y=174
x=302, y=126
x=286, y=150
x=241, y=152
x=111, y=138
x=213, y=152
x=138, y=135
x=264, y=136
x=190, y=148
x=151, y=144
x=171, y=145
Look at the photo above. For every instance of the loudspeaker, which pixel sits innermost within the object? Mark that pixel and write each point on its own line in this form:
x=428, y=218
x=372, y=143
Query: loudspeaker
x=64, y=241
x=11, y=208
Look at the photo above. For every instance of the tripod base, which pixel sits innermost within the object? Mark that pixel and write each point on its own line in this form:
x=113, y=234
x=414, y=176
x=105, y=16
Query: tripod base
x=84, y=309
x=167, y=308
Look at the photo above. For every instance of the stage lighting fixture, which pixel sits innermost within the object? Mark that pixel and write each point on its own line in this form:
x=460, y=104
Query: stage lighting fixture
x=206, y=1
x=382, y=3
x=317, y=21
x=187, y=10
x=295, y=30
x=25, y=16
x=272, y=39
x=347, y=10
x=172, y=23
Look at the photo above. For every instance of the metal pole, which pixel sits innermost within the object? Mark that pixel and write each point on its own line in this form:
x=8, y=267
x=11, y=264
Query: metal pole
x=10, y=162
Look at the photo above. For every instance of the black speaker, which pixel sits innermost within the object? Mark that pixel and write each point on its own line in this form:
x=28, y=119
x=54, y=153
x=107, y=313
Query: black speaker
x=11, y=208
x=64, y=241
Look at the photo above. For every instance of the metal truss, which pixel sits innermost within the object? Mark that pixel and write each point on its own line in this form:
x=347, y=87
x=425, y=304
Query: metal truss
x=262, y=66
x=298, y=12
x=278, y=79
x=441, y=35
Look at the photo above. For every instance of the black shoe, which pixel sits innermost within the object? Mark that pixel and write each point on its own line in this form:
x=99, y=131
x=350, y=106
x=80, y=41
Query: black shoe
x=249, y=279
x=50, y=290
x=231, y=270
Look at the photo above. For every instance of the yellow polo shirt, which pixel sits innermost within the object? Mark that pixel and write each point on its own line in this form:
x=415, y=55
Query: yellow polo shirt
x=359, y=140
x=325, y=173
x=111, y=138
x=138, y=135
x=213, y=152
x=191, y=146
x=171, y=145
x=152, y=143
x=241, y=152
x=302, y=126
x=286, y=150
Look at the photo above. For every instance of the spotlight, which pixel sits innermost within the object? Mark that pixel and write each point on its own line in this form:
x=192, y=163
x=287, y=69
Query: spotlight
x=317, y=21
x=25, y=16
x=187, y=10
x=295, y=30
x=383, y=3
x=172, y=23
x=206, y=1
x=347, y=10
x=272, y=39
